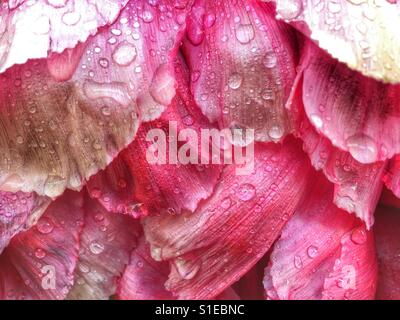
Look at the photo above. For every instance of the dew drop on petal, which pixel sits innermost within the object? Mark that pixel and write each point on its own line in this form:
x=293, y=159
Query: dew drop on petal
x=96, y=247
x=235, y=80
x=246, y=192
x=45, y=226
x=245, y=33
x=124, y=54
x=363, y=148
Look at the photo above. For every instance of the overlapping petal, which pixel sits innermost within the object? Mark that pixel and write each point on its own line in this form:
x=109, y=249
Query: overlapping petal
x=357, y=114
x=105, y=245
x=172, y=187
x=18, y=212
x=242, y=63
x=113, y=187
x=323, y=253
x=357, y=186
x=57, y=134
x=361, y=33
x=39, y=263
x=50, y=26
x=213, y=247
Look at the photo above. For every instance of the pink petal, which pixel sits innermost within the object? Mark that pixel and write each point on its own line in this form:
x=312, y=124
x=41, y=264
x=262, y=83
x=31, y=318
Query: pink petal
x=242, y=63
x=362, y=34
x=144, y=278
x=113, y=188
x=213, y=247
x=323, y=253
x=357, y=186
x=60, y=134
x=357, y=114
x=165, y=187
x=106, y=242
x=39, y=263
x=32, y=29
x=19, y=211
x=387, y=231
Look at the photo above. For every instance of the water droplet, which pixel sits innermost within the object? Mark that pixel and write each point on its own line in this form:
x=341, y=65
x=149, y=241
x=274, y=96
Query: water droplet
x=235, y=80
x=45, y=225
x=359, y=236
x=245, y=33
x=288, y=10
x=124, y=54
x=115, y=90
x=246, y=192
x=147, y=16
x=363, y=148
x=103, y=62
x=96, y=247
x=71, y=18
x=312, y=251
x=162, y=87
x=270, y=60
x=298, y=262
x=40, y=253
x=54, y=186
x=317, y=121
x=276, y=132
x=226, y=203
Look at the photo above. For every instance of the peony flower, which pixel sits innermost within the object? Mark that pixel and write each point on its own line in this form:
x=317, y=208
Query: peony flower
x=198, y=149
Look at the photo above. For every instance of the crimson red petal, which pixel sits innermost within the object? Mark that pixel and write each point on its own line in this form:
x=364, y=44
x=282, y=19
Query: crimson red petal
x=387, y=232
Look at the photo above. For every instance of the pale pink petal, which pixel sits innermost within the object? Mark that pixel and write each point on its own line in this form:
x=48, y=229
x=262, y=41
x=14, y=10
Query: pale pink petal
x=216, y=245
x=323, y=253
x=387, y=232
x=39, y=263
x=169, y=187
x=242, y=63
x=30, y=30
x=357, y=114
x=18, y=212
x=105, y=245
x=362, y=34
